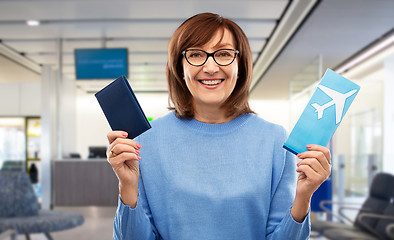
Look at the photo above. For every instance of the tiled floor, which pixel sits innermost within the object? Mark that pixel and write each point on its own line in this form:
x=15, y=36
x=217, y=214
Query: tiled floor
x=314, y=237
x=97, y=226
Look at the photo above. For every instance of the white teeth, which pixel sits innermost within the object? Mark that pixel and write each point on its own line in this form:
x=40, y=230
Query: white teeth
x=211, y=82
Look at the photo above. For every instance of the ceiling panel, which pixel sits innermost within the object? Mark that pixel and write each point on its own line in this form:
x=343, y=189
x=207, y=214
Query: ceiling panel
x=336, y=30
x=145, y=45
x=8, y=74
x=22, y=31
x=44, y=59
x=141, y=26
x=256, y=46
x=257, y=29
x=32, y=46
x=143, y=9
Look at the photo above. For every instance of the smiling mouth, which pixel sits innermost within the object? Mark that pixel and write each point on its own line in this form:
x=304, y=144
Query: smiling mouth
x=211, y=82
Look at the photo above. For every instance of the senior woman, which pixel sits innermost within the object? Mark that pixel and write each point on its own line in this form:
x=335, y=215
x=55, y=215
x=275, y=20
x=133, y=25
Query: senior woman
x=211, y=168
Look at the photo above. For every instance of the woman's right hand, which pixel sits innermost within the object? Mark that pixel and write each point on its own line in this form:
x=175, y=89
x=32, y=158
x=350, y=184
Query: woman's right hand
x=122, y=154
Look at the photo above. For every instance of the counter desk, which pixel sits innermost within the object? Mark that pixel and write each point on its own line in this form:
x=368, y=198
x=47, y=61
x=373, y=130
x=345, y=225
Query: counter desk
x=78, y=182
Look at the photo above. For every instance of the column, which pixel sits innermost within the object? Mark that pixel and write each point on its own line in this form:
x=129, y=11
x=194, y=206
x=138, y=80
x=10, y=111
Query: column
x=388, y=115
x=48, y=137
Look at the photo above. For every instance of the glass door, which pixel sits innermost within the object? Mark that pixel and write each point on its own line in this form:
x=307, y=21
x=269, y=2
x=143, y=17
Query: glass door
x=33, y=152
x=12, y=143
x=365, y=159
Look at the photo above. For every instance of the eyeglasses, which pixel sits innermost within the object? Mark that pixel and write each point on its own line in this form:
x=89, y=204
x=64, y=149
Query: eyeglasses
x=198, y=57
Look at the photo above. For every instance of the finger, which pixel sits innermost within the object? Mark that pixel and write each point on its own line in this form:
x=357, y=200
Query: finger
x=311, y=174
x=120, y=145
x=301, y=176
x=123, y=147
x=320, y=156
x=112, y=135
x=126, y=156
x=126, y=141
x=324, y=150
x=118, y=160
x=314, y=164
x=307, y=171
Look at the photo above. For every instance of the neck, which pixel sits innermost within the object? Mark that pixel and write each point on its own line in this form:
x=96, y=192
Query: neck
x=211, y=114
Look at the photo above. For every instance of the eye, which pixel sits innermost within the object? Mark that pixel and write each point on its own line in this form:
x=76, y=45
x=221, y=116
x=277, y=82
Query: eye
x=224, y=53
x=195, y=54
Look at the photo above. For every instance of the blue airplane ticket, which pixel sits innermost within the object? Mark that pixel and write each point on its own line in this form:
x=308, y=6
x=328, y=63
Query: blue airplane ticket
x=323, y=113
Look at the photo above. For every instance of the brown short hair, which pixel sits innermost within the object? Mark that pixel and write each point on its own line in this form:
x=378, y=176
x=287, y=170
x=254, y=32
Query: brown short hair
x=197, y=31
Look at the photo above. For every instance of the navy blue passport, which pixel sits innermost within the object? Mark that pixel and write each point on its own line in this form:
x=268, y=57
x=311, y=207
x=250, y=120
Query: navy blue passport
x=121, y=108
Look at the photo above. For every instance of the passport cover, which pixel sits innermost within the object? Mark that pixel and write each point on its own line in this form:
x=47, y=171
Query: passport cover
x=121, y=108
x=323, y=113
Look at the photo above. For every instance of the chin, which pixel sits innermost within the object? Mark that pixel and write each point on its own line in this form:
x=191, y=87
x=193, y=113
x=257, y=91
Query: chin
x=214, y=101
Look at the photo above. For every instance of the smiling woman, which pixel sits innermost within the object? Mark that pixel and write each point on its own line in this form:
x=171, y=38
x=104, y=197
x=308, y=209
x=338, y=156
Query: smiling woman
x=212, y=169
x=209, y=33
x=209, y=83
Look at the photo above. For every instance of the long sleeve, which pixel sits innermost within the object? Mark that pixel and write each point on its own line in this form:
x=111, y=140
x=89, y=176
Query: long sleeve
x=213, y=181
x=281, y=224
x=137, y=223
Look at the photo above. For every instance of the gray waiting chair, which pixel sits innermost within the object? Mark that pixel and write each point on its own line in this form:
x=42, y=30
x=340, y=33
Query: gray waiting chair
x=381, y=193
x=7, y=234
x=377, y=231
x=19, y=209
x=390, y=230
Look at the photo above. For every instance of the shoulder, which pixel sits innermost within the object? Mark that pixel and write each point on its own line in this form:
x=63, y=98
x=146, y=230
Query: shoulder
x=267, y=128
x=164, y=124
x=164, y=120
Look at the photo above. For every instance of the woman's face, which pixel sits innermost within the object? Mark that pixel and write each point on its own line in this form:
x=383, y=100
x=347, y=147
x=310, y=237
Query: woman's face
x=211, y=84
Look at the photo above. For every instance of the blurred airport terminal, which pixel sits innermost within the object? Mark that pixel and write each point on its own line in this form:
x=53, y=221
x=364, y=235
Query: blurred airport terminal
x=53, y=132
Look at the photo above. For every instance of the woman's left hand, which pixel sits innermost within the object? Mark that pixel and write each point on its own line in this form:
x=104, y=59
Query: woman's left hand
x=314, y=169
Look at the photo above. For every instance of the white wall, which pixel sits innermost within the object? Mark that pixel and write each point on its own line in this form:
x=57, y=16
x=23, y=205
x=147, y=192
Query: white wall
x=275, y=111
x=68, y=117
x=388, y=119
x=20, y=99
x=91, y=125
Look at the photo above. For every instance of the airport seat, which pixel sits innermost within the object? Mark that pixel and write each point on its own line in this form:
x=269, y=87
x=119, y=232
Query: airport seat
x=19, y=209
x=12, y=165
x=7, y=234
x=390, y=230
x=378, y=231
x=380, y=195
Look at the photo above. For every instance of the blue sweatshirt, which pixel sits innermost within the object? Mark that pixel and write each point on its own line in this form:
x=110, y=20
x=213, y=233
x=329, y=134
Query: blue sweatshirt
x=213, y=181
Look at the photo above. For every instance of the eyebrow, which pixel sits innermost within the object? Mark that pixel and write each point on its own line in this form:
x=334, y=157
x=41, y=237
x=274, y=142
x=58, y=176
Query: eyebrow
x=222, y=45
x=217, y=46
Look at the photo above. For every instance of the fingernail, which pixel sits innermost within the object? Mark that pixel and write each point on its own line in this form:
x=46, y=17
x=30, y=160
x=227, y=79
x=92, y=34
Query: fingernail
x=139, y=158
x=124, y=134
x=139, y=146
x=308, y=146
x=298, y=164
x=299, y=155
x=137, y=151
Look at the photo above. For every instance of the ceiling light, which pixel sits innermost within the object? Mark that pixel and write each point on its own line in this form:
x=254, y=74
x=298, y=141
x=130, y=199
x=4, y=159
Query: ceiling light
x=386, y=42
x=33, y=22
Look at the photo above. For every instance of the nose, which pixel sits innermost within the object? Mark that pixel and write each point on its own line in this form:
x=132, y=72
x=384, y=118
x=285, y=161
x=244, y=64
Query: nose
x=210, y=66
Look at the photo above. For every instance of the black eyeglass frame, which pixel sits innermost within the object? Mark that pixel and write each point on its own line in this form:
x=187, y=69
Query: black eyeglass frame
x=212, y=54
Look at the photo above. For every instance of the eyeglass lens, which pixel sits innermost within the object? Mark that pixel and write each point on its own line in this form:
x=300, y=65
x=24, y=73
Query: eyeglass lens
x=199, y=57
